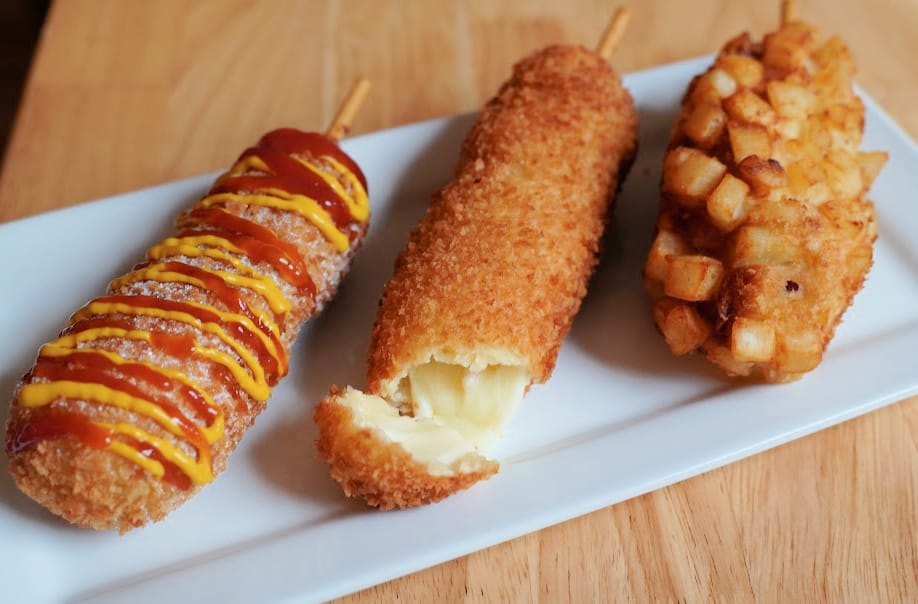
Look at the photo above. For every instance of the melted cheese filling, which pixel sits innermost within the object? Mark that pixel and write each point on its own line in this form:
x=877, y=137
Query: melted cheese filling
x=429, y=441
x=475, y=403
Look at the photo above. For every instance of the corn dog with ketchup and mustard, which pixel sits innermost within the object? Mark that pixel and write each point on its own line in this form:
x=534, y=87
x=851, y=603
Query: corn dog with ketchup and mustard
x=141, y=399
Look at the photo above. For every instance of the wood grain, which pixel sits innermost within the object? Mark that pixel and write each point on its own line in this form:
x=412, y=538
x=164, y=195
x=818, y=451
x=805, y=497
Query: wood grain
x=128, y=94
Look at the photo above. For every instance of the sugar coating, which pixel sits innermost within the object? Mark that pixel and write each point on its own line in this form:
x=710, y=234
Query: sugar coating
x=98, y=489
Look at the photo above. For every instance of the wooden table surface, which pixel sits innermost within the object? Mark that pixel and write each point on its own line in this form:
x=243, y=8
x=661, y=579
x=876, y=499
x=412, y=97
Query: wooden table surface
x=128, y=94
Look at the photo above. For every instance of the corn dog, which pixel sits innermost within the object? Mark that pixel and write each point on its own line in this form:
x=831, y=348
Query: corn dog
x=149, y=388
x=488, y=285
x=764, y=233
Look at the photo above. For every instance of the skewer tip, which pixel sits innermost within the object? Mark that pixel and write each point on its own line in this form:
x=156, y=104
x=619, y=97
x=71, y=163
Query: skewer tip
x=788, y=11
x=349, y=108
x=614, y=32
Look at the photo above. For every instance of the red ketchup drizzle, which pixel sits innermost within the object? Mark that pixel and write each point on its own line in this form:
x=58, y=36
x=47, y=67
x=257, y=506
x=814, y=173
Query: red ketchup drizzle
x=287, y=174
x=178, y=346
x=258, y=243
x=93, y=368
x=236, y=330
x=172, y=474
x=293, y=141
x=229, y=295
x=52, y=423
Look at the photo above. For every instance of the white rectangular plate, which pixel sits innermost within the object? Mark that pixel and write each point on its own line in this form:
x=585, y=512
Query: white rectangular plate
x=620, y=417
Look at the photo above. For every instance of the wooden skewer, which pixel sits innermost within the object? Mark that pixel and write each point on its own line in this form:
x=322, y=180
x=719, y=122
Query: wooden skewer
x=613, y=34
x=788, y=11
x=349, y=108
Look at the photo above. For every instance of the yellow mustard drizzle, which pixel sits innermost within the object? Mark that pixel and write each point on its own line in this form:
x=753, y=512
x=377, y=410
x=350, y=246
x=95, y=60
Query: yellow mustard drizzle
x=212, y=328
x=281, y=200
x=198, y=470
x=256, y=387
x=357, y=210
x=247, y=164
x=251, y=377
x=262, y=284
x=101, y=308
x=265, y=284
x=211, y=433
x=40, y=394
x=131, y=454
x=360, y=202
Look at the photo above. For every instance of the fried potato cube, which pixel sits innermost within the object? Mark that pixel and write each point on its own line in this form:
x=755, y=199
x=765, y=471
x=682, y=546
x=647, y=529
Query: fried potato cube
x=788, y=129
x=783, y=54
x=665, y=244
x=834, y=80
x=691, y=174
x=704, y=124
x=790, y=100
x=760, y=245
x=723, y=358
x=843, y=175
x=817, y=194
x=752, y=340
x=692, y=277
x=871, y=162
x=740, y=44
x=711, y=87
x=722, y=82
x=817, y=138
x=683, y=328
x=834, y=52
x=747, y=106
x=762, y=175
x=806, y=182
x=799, y=352
x=800, y=33
x=780, y=214
x=845, y=123
x=748, y=139
x=745, y=70
x=727, y=203
x=798, y=180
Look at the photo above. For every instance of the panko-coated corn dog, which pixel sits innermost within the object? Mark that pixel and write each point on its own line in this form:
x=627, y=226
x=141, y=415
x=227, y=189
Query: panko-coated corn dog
x=488, y=285
x=764, y=233
x=145, y=393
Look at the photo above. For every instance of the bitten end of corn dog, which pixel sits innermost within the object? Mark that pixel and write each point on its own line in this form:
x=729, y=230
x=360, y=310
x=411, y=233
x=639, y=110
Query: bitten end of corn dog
x=393, y=461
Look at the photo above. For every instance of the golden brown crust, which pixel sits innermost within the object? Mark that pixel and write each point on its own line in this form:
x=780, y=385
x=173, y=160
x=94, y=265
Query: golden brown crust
x=92, y=488
x=378, y=470
x=499, y=264
x=99, y=489
x=502, y=258
x=763, y=181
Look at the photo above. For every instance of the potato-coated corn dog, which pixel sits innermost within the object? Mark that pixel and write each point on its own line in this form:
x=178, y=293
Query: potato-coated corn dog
x=145, y=393
x=764, y=233
x=488, y=285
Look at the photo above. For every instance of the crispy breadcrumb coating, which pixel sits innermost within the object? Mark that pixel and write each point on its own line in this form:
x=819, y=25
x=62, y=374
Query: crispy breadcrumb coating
x=497, y=268
x=379, y=470
x=502, y=258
